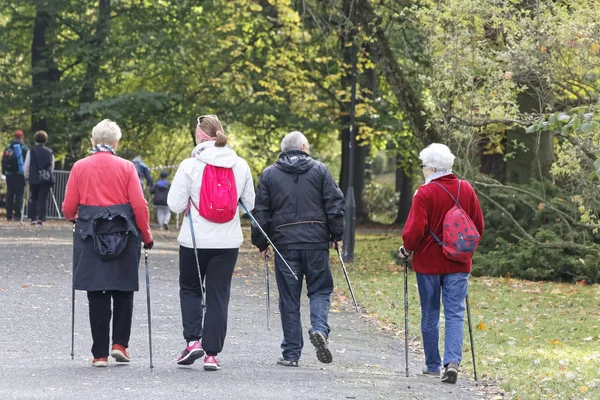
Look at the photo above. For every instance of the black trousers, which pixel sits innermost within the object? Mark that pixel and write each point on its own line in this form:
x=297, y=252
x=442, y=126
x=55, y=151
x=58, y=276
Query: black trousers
x=39, y=199
x=216, y=267
x=15, y=187
x=100, y=314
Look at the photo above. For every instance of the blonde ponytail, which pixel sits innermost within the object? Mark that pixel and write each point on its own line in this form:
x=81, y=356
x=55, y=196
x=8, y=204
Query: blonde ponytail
x=221, y=139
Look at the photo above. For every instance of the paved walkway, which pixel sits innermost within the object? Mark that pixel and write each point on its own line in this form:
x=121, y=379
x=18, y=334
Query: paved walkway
x=35, y=362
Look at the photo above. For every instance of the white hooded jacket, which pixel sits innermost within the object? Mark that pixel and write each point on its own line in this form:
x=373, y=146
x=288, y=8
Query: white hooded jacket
x=186, y=185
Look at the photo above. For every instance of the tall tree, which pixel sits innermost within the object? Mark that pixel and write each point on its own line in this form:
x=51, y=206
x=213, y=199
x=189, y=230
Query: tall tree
x=44, y=68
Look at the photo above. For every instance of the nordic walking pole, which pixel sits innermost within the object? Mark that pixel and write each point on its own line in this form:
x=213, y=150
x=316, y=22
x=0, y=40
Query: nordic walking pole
x=267, y=237
x=55, y=204
x=148, y=303
x=471, y=336
x=73, y=308
x=268, y=293
x=202, y=293
x=337, y=248
x=406, y=313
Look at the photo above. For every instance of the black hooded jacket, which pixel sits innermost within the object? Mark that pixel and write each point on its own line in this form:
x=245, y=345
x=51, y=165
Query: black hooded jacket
x=298, y=204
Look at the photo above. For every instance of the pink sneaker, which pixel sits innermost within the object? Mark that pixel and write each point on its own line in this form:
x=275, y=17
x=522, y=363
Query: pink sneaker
x=211, y=363
x=191, y=353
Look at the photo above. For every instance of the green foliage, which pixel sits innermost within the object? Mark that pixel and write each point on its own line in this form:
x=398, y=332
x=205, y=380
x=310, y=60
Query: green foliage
x=382, y=201
x=572, y=247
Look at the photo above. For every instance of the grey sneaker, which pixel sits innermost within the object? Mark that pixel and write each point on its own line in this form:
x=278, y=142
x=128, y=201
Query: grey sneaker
x=287, y=363
x=450, y=373
x=427, y=372
x=319, y=340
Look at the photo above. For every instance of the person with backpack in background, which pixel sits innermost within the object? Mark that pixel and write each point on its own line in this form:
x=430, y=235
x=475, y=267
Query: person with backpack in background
x=39, y=171
x=160, y=191
x=442, y=231
x=143, y=172
x=301, y=208
x=207, y=187
x=13, y=161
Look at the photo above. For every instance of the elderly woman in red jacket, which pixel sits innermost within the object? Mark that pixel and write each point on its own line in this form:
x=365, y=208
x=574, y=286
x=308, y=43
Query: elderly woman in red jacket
x=437, y=275
x=105, y=197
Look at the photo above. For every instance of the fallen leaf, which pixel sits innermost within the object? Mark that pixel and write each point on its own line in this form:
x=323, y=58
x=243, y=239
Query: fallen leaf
x=335, y=310
x=555, y=341
x=589, y=338
x=584, y=389
x=540, y=206
x=581, y=283
x=481, y=326
x=24, y=285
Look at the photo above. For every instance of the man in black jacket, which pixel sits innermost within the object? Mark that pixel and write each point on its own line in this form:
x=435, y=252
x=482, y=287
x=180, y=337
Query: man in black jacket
x=301, y=208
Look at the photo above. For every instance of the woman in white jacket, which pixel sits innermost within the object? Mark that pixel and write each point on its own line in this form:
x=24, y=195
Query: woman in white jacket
x=217, y=243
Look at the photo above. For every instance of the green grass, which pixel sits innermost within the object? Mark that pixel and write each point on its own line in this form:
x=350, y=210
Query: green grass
x=538, y=340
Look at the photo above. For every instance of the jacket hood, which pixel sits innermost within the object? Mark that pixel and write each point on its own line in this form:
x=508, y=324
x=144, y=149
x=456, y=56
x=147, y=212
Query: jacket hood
x=294, y=162
x=137, y=159
x=223, y=157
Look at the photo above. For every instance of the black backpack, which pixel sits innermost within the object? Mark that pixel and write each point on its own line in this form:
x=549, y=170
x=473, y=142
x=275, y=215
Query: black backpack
x=10, y=163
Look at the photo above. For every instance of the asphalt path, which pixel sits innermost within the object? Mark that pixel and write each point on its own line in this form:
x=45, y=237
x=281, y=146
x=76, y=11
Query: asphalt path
x=35, y=337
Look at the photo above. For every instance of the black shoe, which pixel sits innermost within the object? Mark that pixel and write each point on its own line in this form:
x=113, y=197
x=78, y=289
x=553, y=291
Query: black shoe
x=166, y=226
x=319, y=340
x=450, y=373
x=287, y=363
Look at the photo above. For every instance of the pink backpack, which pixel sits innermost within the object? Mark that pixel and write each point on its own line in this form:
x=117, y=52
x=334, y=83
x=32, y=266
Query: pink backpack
x=218, y=194
x=460, y=235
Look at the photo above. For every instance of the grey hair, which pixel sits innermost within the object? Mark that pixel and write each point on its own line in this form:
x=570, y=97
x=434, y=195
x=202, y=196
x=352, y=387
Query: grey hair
x=106, y=132
x=293, y=141
x=437, y=156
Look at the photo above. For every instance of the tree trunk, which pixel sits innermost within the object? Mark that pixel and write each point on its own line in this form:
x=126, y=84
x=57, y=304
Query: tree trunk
x=492, y=164
x=534, y=163
x=361, y=151
x=44, y=69
x=87, y=94
x=407, y=98
x=404, y=187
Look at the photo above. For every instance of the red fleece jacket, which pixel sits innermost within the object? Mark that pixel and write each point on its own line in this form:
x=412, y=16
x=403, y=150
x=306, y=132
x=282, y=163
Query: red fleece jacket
x=102, y=180
x=428, y=210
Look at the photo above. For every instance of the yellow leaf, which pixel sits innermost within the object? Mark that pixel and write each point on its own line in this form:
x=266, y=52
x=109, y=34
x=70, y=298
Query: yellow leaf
x=540, y=206
x=584, y=389
x=595, y=47
x=555, y=341
x=543, y=49
x=481, y=326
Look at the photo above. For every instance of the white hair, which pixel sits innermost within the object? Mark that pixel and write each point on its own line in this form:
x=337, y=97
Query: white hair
x=437, y=156
x=293, y=141
x=106, y=132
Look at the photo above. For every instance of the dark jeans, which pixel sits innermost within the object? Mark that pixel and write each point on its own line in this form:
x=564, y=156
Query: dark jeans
x=15, y=187
x=39, y=198
x=314, y=264
x=100, y=313
x=216, y=267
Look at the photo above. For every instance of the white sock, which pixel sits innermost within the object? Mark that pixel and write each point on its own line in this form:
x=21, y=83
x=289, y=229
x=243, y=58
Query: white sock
x=192, y=343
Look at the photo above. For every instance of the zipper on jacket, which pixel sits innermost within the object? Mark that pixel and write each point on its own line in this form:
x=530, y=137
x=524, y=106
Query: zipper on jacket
x=299, y=223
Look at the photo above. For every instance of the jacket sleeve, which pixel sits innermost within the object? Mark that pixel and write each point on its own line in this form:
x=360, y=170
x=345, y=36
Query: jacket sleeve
x=152, y=189
x=262, y=212
x=70, y=204
x=179, y=193
x=416, y=224
x=248, y=195
x=139, y=204
x=334, y=205
x=148, y=176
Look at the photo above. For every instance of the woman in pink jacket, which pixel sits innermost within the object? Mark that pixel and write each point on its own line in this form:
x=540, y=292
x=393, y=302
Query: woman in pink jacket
x=105, y=199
